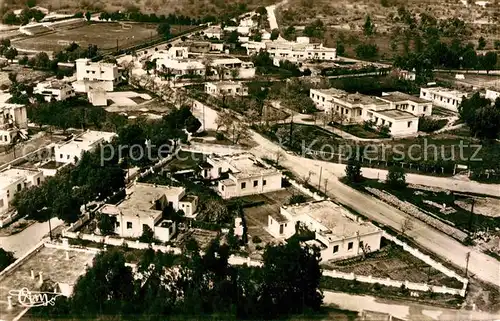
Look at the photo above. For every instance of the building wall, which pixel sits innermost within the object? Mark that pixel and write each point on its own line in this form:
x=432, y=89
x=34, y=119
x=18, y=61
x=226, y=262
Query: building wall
x=53, y=93
x=164, y=234
x=441, y=99
x=132, y=226
x=418, y=109
x=7, y=194
x=7, y=136
x=492, y=95
x=250, y=186
x=189, y=208
x=396, y=126
x=321, y=100
x=349, y=247
x=280, y=229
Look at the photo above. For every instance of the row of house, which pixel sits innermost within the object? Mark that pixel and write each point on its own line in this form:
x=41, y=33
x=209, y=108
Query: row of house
x=397, y=111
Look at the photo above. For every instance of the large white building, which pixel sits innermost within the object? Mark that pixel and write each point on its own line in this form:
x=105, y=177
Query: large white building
x=226, y=88
x=213, y=32
x=14, y=180
x=54, y=90
x=95, y=74
x=13, y=121
x=246, y=175
x=72, y=150
x=144, y=206
x=443, y=97
x=338, y=233
x=180, y=68
x=397, y=111
x=299, y=51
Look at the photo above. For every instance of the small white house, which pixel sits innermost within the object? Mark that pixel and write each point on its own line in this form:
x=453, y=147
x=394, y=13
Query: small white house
x=214, y=32
x=105, y=75
x=226, y=88
x=246, y=175
x=399, y=122
x=443, y=97
x=338, y=233
x=401, y=101
x=14, y=180
x=13, y=123
x=232, y=68
x=492, y=94
x=144, y=206
x=299, y=51
x=72, y=150
x=54, y=90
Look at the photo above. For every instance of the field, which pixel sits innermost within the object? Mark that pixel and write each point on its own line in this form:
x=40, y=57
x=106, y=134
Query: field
x=106, y=35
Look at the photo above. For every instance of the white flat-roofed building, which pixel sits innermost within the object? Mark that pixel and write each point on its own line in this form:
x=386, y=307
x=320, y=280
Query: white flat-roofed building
x=144, y=206
x=214, y=32
x=233, y=68
x=226, y=88
x=443, y=97
x=247, y=175
x=14, y=180
x=72, y=150
x=401, y=101
x=171, y=53
x=54, y=90
x=492, y=94
x=397, y=111
x=399, y=122
x=340, y=233
x=180, y=68
x=13, y=120
x=104, y=75
x=299, y=51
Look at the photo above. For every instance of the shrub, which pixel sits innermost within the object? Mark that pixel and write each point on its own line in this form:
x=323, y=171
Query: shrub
x=219, y=136
x=428, y=125
x=297, y=199
x=396, y=177
x=256, y=239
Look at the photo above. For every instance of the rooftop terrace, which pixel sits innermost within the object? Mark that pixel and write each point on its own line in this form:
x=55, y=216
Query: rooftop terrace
x=396, y=114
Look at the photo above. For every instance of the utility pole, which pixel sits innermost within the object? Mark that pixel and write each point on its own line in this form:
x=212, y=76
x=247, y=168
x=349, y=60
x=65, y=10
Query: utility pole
x=471, y=216
x=50, y=228
x=320, y=172
x=467, y=257
x=326, y=184
x=291, y=131
x=116, y=44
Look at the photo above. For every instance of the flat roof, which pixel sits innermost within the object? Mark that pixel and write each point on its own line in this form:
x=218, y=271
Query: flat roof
x=278, y=217
x=358, y=98
x=12, y=175
x=330, y=91
x=55, y=268
x=397, y=96
x=223, y=61
x=445, y=90
x=331, y=216
x=395, y=114
x=225, y=83
x=141, y=199
x=87, y=139
x=247, y=165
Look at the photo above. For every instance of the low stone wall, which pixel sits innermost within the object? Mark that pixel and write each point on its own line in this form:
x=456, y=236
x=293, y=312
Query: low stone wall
x=394, y=283
x=23, y=258
x=418, y=213
x=305, y=190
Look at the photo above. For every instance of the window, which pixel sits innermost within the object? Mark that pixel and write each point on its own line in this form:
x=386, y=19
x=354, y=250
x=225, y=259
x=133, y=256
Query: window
x=61, y=156
x=361, y=245
x=360, y=112
x=38, y=181
x=243, y=185
x=67, y=156
x=409, y=124
x=255, y=183
x=222, y=187
x=264, y=182
x=350, y=245
x=281, y=228
x=335, y=249
x=144, y=226
x=129, y=224
x=117, y=224
x=425, y=108
x=19, y=187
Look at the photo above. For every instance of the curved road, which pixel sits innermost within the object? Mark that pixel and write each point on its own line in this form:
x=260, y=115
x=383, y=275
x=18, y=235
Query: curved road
x=481, y=265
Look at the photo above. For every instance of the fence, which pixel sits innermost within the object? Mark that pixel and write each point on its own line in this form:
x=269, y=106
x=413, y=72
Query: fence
x=394, y=283
x=427, y=259
x=305, y=190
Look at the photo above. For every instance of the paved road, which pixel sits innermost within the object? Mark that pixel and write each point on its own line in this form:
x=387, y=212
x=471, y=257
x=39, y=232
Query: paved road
x=402, y=310
x=20, y=243
x=482, y=266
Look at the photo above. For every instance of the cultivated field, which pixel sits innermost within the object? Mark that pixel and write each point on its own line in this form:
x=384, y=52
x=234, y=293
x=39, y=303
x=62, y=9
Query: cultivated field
x=107, y=36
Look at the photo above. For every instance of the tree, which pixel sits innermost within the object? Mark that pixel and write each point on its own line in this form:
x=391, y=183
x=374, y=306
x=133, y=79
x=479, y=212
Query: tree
x=13, y=77
x=406, y=225
x=6, y=259
x=216, y=211
x=275, y=33
x=3, y=64
x=291, y=276
x=164, y=30
x=297, y=199
x=315, y=29
x=489, y=60
x=261, y=10
x=396, y=177
x=10, y=18
x=88, y=15
x=106, y=224
x=481, y=115
x=11, y=53
x=481, y=43
x=353, y=170
x=366, y=51
x=232, y=240
x=192, y=124
x=106, y=288
x=340, y=48
x=148, y=235
x=368, y=27
x=23, y=60
x=290, y=33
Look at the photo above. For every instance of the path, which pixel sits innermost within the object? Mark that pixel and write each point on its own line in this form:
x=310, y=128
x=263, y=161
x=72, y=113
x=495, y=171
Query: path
x=402, y=310
x=481, y=265
x=21, y=242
